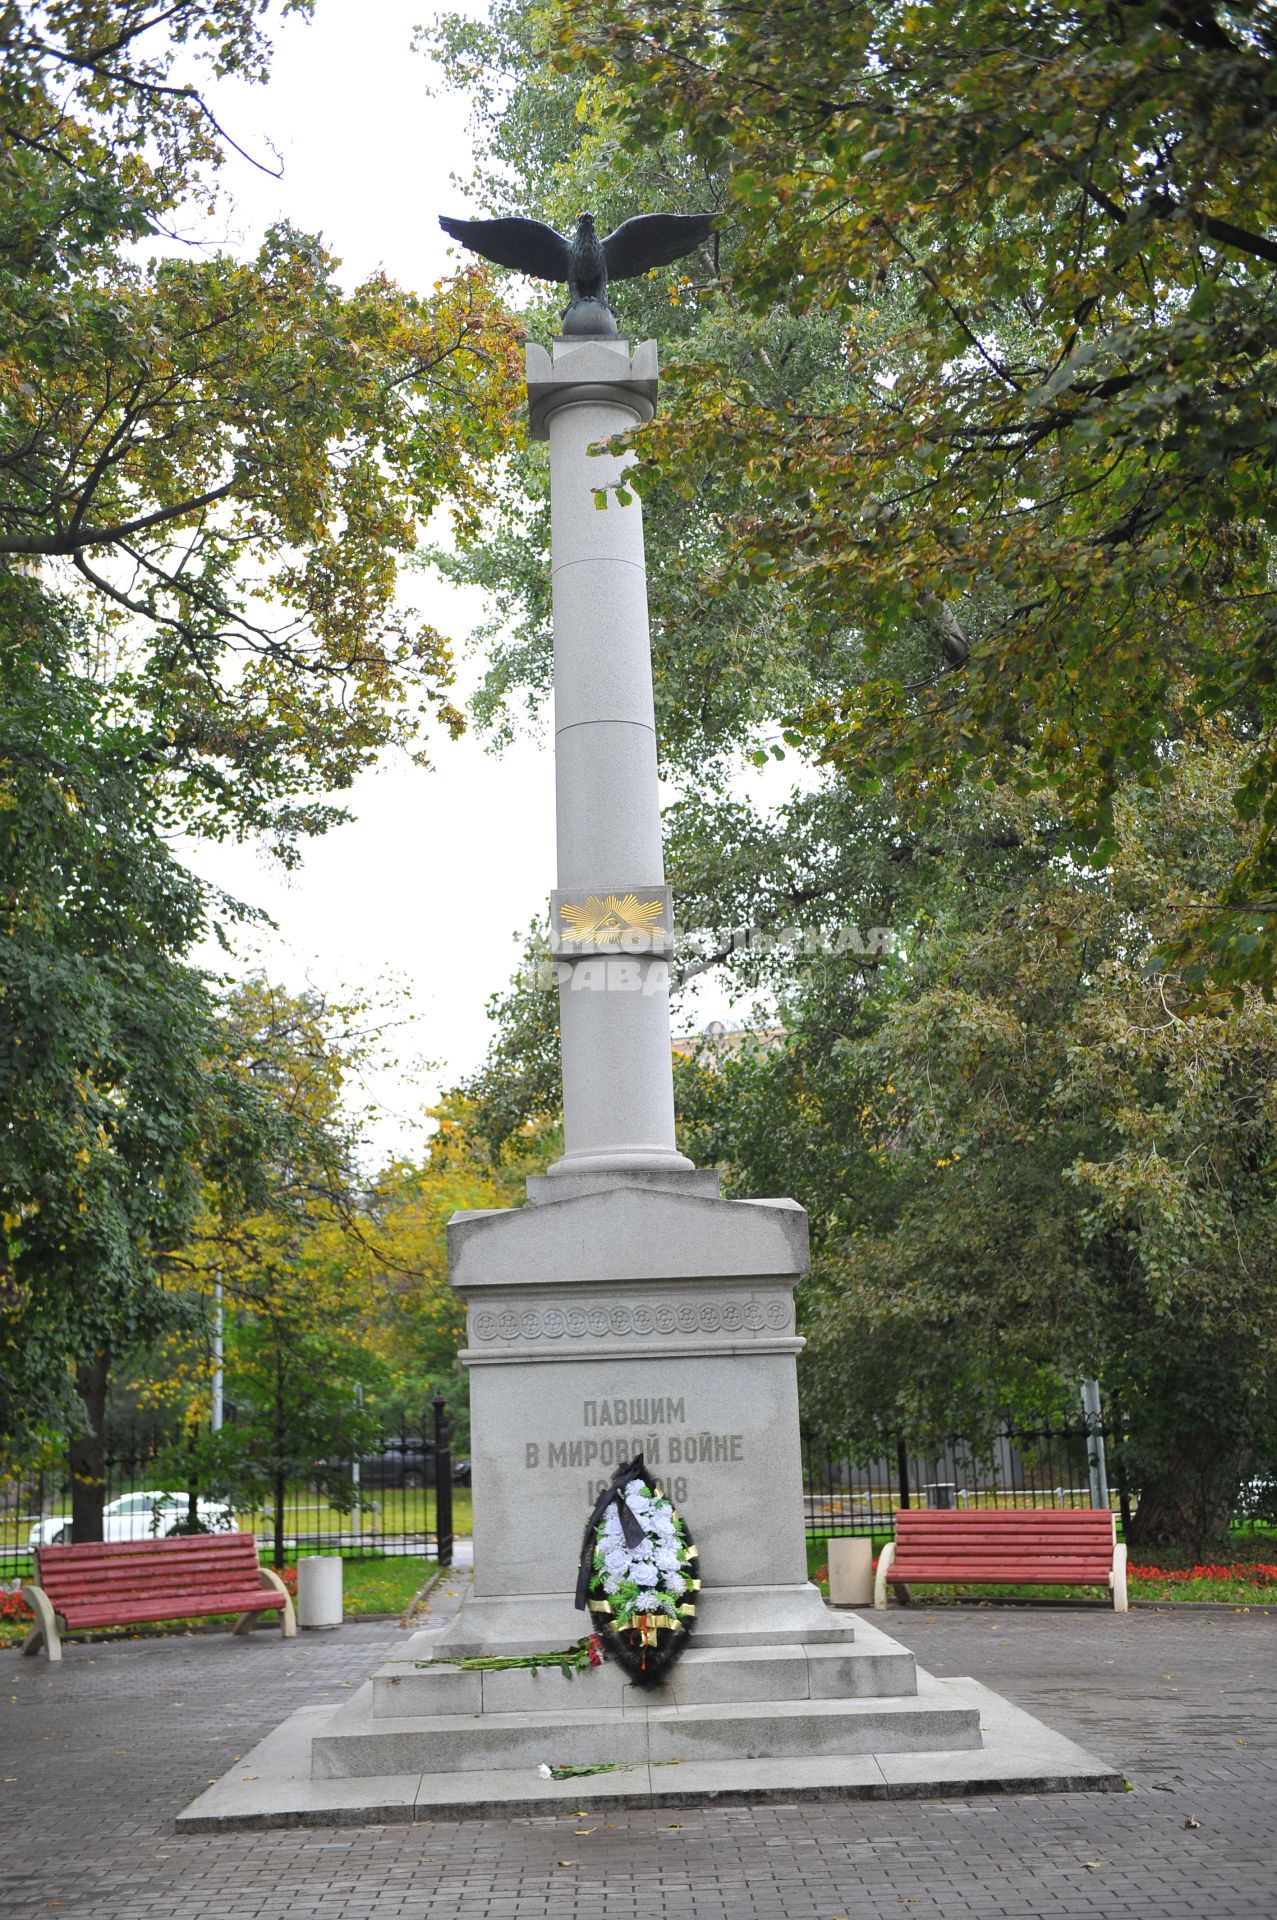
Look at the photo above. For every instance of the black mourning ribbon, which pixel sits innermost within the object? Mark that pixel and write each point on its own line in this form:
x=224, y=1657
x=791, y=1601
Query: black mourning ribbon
x=631, y=1527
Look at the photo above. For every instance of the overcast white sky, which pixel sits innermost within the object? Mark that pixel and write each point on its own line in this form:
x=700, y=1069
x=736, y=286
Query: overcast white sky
x=368, y=157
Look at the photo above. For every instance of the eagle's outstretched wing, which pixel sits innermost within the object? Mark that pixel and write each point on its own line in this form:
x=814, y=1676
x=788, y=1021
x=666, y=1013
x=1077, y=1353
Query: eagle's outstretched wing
x=653, y=240
x=529, y=245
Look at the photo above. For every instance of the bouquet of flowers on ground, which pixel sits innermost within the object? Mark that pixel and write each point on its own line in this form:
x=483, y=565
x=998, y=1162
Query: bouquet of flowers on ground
x=638, y=1574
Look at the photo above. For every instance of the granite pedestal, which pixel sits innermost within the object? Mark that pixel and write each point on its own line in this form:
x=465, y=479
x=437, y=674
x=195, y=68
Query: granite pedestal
x=643, y=1317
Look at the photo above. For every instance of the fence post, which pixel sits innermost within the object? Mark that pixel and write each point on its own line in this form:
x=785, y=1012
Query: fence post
x=443, y=1483
x=902, y=1470
x=1096, y=1464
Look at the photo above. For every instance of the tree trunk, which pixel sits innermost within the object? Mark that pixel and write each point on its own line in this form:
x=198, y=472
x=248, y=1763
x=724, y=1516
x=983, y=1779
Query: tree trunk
x=87, y=1457
x=281, y=1477
x=1186, y=1508
x=280, y=1489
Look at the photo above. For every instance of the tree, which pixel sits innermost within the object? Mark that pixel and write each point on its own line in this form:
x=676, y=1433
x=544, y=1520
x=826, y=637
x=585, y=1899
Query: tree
x=728, y=654
x=1029, y=1160
x=421, y=1325
x=808, y=462
x=210, y=471
x=108, y=1074
x=284, y=1231
x=1054, y=477
x=340, y=1318
x=231, y=456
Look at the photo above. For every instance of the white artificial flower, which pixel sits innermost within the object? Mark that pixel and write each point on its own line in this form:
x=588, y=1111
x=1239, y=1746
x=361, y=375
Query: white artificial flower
x=675, y=1583
x=667, y=1558
x=545, y=1772
x=645, y=1573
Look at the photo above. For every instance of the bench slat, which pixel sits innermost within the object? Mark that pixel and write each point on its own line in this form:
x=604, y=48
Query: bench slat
x=998, y=1540
x=169, y=1547
x=170, y=1607
x=125, y=1570
x=996, y=1516
x=1032, y=1572
x=171, y=1566
x=97, y=1566
x=1004, y=1516
x=145, y=1590
x=938, y=1526
x=984, y=1550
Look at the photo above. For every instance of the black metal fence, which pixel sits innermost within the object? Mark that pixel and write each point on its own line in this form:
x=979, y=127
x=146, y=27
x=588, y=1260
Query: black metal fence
x=1067, y=1464
x=397, y=1500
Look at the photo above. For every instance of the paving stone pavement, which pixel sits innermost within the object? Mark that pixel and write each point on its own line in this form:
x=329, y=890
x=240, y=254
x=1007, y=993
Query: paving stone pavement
x=99, y=1755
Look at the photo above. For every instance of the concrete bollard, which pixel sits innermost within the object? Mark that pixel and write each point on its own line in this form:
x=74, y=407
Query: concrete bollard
x=319, y=1591
x=851, y=1580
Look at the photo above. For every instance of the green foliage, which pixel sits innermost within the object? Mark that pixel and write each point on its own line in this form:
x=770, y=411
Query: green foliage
x=729, y=652
x=233, y=456
x=291, y=1253
x=962, y=490
x=211, y=470
x=1046, y=237
x=1028, y=1158
x=107, y=1049
x=420, y=1325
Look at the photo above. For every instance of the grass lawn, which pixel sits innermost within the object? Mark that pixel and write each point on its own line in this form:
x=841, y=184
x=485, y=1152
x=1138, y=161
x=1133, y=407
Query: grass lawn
x=381, y=1586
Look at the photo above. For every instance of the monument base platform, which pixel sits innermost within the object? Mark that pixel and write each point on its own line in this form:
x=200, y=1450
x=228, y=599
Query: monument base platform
x=273, y=1786
x=854, y=1718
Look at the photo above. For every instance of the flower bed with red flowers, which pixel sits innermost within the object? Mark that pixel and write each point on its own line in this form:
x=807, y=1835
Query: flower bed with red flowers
x=1235, y=1580
x=14, y=1609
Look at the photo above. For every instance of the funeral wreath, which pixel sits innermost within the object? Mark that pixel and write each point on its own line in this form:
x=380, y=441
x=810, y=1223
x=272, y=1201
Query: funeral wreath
x=638, y=1574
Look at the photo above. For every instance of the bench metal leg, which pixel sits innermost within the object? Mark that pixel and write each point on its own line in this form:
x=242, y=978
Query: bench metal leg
x=885, y=1559
x=1119, y=1580
x=287, y=1617
x=46, y=1623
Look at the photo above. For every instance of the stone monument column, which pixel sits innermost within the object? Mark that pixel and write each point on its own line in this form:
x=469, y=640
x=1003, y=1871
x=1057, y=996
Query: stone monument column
x=628, y=1308
x=618, y=1103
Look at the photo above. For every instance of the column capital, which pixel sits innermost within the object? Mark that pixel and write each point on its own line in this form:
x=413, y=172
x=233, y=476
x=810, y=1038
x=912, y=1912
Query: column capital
x=580, y=370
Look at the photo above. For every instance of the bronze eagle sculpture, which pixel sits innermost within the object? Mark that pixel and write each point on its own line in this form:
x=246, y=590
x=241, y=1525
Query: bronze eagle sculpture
x=585, y=262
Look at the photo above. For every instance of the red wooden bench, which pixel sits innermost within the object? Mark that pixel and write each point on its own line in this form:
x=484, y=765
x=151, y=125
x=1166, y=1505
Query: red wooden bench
x=123, y=1583
x=1051, y=1546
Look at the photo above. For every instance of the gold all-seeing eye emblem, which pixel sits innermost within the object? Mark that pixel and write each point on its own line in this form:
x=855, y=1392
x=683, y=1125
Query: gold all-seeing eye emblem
x=604, y=920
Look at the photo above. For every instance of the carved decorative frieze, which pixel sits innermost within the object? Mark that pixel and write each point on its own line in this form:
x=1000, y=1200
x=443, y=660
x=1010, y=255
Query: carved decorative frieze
x=640, y=1319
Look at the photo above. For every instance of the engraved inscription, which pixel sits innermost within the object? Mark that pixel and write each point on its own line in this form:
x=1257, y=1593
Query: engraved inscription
x=654, y=1425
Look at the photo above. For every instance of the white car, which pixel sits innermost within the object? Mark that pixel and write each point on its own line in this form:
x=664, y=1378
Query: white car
x=137, y=1516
